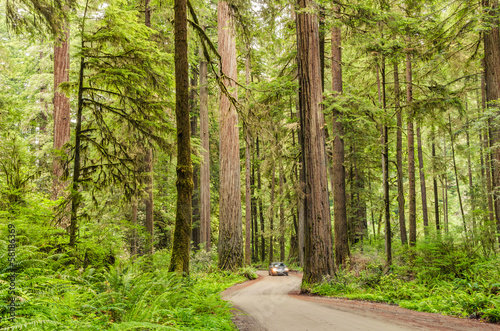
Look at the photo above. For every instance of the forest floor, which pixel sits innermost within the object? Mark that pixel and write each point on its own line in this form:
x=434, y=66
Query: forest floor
x=270, y=303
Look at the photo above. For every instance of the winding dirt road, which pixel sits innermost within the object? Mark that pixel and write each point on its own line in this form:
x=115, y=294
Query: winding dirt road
x=274, y=303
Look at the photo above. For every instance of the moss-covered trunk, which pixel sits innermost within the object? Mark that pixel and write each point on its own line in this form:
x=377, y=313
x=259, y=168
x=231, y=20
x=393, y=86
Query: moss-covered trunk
x=182, y=232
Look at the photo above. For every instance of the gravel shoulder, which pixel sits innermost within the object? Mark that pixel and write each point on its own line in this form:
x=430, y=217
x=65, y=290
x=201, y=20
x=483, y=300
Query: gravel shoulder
x=271, y=303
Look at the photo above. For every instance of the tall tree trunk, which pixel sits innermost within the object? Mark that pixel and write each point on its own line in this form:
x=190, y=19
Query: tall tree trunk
x=385, y=170
x=75, y=187
x=148, y=169
x=423, y=189
x=318, y=239
x=230, y=224
x=301, y=178
x=434, y=181
x=133, y=235
x=255, y=229
x=399, y=158
x=282, y=216
x=469, y=170
x=491, y=40
x=322, y=33
x=412, y=216
x=196, y=229
x=62, y=116
x=272, y=213
x=180, y=250
x=339, y=195
x=261, y=211
x=205, y=153
x=445, y=189
x=248, y=201
x=456, y=175
x=488, y=167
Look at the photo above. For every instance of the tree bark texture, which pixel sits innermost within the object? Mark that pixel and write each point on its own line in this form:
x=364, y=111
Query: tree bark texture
x=469, y=170
x=196, y=229
x=255, y=237
x=248, y=197
x=423, y=189
x=300, y=194
x=487, y=151
x=282, y=217
x=434, y=181
x=445, y=190
x=182, y=233
x=272, y=212
x=399, y=158
x=205, y=156
x=230, y=224
x=255, y=232
x=339, y=195
x=412, y=216
x=62, y=116
x=318, y=239
x=385, y=171
x=455, y=169
x=261, y=210
x=491, y=40
x=248, y=204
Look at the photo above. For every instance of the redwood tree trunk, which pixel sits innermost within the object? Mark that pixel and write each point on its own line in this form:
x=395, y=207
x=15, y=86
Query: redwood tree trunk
x=205, y=156
x=399, y=158
x=248, y=197
x=271, y=216
x=282, y=217
x=261, y=211
x=318, y=240
x=434, y=181
x=62, y=114
x=339, y=195
x=445, y=189
x=488, y=167
x=412, y=216
x=248, y=204
x=385, y=170
x=491, y=40
x=182, y=233
x=230, y=225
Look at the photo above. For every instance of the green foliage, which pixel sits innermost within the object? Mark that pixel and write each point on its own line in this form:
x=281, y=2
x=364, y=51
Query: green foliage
x=443, y=278
x=249, y=272
x=141, y=294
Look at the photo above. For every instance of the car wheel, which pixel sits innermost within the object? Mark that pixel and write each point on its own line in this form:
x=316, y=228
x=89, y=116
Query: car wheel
x=286, y=274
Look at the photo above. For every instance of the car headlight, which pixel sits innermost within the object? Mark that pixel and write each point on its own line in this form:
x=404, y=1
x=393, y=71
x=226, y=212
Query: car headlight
x=274, y=269
x=286, y=269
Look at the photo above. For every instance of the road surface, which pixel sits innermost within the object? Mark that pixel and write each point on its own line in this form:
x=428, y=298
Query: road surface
x=273, y=303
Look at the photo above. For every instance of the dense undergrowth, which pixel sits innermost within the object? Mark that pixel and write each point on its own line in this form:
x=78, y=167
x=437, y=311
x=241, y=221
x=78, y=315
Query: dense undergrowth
x=442, y=277
x=94, y=288
x=52, y=296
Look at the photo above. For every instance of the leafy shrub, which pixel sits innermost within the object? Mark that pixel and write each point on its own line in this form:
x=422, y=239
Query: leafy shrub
x=433, y=282
x=248, y=272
